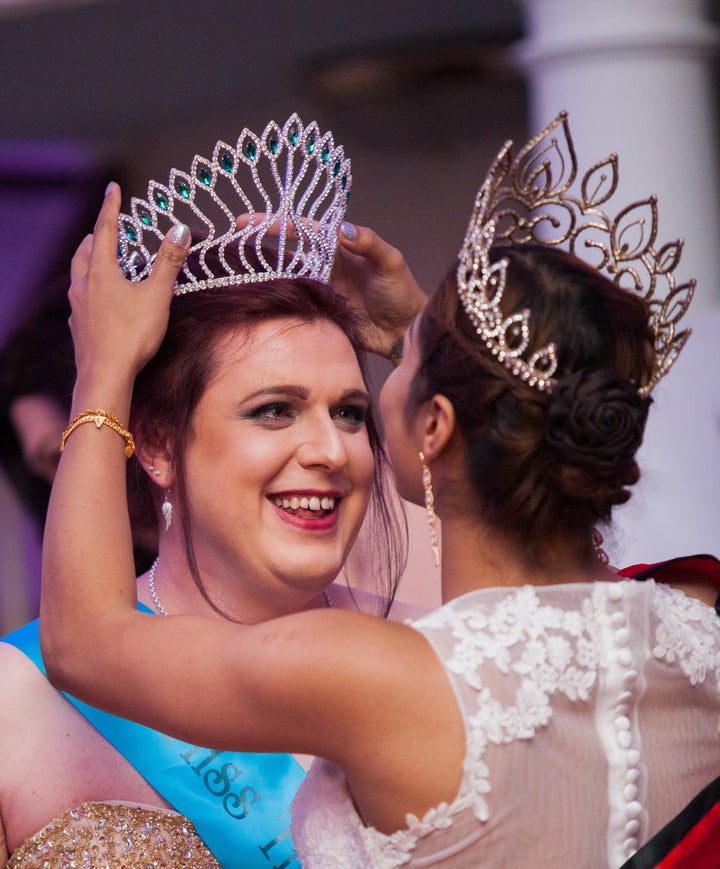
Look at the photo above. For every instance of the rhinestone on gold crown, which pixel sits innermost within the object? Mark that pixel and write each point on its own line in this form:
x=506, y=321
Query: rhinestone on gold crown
x=293, y=182
x=528, y=200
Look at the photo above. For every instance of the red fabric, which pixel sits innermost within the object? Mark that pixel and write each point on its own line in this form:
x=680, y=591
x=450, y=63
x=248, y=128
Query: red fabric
x=694, y=567
x=691, y=840
x=700, y=848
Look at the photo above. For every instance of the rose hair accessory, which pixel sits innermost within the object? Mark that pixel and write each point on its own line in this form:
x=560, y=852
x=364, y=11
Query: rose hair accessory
x=528, y=200
x=296, y=177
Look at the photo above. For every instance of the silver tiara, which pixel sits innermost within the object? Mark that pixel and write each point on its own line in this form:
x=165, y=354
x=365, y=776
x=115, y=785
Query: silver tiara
x=527, y=200
x=294, y=175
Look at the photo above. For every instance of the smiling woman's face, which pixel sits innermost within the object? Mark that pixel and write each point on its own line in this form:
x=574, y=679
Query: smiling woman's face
x=279, y=468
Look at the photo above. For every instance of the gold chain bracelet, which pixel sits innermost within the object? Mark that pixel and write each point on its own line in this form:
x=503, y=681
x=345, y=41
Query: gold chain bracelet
x=100, y=418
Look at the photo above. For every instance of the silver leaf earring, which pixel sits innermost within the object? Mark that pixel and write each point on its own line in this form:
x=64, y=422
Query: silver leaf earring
x=167, y=509
x=430, y=508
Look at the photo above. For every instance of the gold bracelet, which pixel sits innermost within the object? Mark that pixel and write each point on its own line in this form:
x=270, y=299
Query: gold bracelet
x=100, y=418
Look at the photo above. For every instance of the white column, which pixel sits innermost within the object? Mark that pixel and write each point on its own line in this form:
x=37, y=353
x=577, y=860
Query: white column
x=636, y=79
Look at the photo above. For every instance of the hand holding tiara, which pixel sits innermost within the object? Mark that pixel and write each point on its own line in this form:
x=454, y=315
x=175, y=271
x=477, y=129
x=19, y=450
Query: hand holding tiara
x=118, y=325
x=376, y=280
x=291, y=183
x=293, y=175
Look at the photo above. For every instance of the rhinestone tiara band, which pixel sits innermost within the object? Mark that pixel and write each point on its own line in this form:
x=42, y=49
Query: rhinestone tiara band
x=527, y=199
x=296, y=177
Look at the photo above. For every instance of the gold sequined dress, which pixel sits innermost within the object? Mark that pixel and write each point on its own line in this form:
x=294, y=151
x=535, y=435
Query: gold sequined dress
x=114, y=835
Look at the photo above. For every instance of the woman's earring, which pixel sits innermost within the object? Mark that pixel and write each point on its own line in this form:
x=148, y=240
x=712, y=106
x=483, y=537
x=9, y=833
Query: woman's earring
x=600, y=553
x=167, y=509
x=430, y=507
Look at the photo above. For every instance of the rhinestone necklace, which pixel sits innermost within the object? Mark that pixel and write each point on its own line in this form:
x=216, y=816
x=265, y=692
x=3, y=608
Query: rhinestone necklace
x=161, y=609
x=151, y=585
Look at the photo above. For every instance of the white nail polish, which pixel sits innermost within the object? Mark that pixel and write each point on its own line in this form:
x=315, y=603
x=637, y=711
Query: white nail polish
x=180, y=234
x=349, y=230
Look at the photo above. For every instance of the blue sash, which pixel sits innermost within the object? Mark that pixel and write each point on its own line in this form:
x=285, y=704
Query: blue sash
x=238, y=802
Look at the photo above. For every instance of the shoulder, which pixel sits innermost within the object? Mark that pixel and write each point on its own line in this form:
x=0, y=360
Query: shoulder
x=31, y=709
x=27, y=697
x=28, y=704
x=686, y=631
x=18, y=676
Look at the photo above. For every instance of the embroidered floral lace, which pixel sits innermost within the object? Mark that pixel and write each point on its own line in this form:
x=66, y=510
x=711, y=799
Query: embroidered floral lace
x=592, y=715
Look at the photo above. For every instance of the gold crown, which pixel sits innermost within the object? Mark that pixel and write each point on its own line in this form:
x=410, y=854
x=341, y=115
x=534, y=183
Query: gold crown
x=527, y=200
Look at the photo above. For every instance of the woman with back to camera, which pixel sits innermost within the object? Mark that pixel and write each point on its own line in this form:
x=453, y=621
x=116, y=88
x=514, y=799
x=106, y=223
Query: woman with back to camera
x=547, y=713
x=226, y=551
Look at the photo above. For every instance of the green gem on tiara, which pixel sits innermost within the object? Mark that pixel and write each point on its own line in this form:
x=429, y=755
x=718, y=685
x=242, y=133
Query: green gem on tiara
x=228, y=183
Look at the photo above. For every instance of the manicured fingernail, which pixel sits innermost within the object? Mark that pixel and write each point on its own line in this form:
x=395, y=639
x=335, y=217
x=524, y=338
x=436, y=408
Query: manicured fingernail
x=349, y=230
x=180, y=234
x=109, y=188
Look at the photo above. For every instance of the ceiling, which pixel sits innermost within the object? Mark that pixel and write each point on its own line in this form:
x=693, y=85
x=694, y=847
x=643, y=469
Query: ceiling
x=112, y=70
x=123, y=73
x=132, y=86
x=420, y=92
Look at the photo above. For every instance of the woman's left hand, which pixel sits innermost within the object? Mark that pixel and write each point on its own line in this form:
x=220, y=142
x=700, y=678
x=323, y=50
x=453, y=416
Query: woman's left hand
x=118, y=325
x=375, y=279
x=379, y=286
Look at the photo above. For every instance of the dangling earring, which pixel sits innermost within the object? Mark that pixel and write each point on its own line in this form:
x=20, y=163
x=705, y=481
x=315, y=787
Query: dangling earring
x=600, y=553
x=430, y=507
x=167, y=509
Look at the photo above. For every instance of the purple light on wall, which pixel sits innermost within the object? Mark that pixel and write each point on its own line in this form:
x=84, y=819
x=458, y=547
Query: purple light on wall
x=44, y=192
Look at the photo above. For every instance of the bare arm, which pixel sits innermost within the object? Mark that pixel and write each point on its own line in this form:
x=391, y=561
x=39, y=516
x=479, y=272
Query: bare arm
x=322, y=682
x=117, y=326
x=340, y=684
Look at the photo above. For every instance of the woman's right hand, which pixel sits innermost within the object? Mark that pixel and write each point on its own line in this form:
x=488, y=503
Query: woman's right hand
x=118, y=325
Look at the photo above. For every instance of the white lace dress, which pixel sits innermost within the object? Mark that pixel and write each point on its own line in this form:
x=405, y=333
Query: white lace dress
x=592, y=714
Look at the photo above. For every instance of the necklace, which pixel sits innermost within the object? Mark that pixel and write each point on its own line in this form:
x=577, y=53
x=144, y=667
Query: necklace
x=161, y=609
x=151, y=586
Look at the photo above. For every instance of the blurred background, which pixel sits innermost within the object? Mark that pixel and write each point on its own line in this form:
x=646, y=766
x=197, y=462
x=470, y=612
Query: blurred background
x=422, y=94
